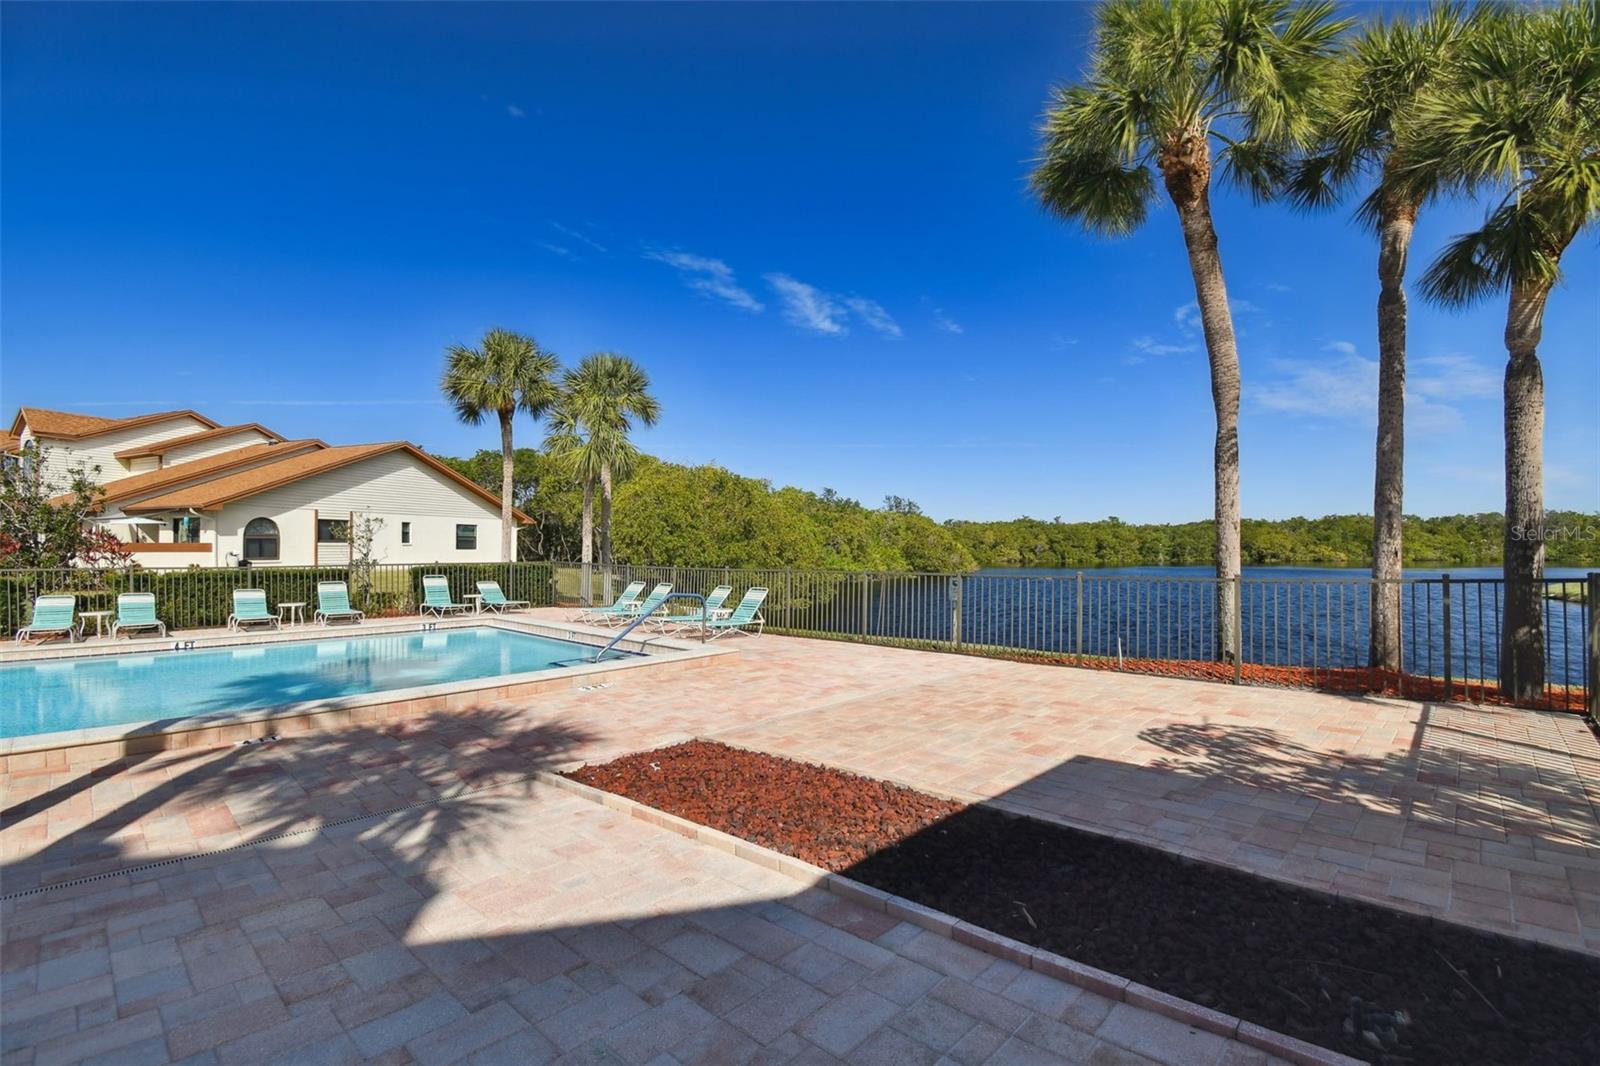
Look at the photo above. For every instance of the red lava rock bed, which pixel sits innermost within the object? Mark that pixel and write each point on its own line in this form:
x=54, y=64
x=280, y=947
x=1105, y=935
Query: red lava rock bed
x=1373, y=983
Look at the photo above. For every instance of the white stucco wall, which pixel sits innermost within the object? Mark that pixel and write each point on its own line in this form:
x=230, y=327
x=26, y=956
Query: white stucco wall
x=394, y=487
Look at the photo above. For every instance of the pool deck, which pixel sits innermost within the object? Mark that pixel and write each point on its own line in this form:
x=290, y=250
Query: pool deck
x=365, y=925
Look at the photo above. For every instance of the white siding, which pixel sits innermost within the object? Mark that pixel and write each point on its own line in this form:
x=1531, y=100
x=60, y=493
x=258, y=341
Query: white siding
x=394, y=487
x=188, y=453
x=101, y=450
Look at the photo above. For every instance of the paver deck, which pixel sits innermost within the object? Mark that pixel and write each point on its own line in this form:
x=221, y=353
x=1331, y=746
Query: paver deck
x=1486, y=817
x=523, y=925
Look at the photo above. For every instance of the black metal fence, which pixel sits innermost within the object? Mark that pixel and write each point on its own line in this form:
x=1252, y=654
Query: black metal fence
x=1293, y=631
x=1296, y=631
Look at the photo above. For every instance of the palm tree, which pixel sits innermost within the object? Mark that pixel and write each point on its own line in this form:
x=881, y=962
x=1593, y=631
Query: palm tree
x=1166, y=80
x=1375, y=82
x=600, y=400
x=506, y=374
x=1520, y=118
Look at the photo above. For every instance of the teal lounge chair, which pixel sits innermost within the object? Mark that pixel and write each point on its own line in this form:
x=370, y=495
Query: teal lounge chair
x=333, y=604
x=691, y=620
x=436, y=596
x=495, y=600
x=250, y=609
x=137, y=610
x=644, y=608
x=626, y=601
x=53, y=616
x=744, y=616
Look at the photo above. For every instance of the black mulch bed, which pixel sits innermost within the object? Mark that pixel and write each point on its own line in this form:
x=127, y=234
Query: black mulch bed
x=1372, y=983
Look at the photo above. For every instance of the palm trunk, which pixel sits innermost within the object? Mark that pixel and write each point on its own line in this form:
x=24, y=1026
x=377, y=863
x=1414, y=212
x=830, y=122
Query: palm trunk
x=1186, y=167
x=508, y=528
x=1388, y=483
x=587, y=591
x=605, y=525
x=1522, y=635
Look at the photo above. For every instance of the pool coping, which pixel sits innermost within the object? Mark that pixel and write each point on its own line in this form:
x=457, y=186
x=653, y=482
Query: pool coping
x=97, y=744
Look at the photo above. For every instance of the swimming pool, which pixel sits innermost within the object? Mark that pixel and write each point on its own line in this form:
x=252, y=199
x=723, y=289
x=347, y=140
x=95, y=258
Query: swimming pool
x=55, y=695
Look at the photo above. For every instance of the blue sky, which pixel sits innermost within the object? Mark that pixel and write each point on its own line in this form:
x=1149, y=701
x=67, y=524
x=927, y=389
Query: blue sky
x=809, y=223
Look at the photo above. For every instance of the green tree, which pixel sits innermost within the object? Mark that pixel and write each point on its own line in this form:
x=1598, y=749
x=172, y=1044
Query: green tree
x=1168, y=80
x=1374, y=85
x=601, y=399
x=47, y=525
x=507, y=373
x=1520, y=120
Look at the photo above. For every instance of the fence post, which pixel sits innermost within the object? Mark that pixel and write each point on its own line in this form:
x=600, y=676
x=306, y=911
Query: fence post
x=1238, y=628
x=955, y=611
x=1592, y=603
x=1077, y=629
x=1445, y=599
x=866, y=603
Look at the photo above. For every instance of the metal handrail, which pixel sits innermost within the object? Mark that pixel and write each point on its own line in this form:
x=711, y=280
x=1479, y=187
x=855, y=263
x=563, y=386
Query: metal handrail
x=641, y=619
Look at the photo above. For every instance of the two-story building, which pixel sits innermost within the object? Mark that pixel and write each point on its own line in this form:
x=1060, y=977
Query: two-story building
x=184, y=490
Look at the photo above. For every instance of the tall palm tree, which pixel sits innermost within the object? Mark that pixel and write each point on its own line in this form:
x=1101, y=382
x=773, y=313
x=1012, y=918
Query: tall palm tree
x=507, y=373
x=571, y=441
x=1521, y=119
x=610, y=392
x=1175, y=86
x=600, y=401
x=1375, y=83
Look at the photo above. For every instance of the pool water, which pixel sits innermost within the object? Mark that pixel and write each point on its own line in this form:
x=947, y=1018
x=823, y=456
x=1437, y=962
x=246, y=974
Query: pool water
x=82, y=693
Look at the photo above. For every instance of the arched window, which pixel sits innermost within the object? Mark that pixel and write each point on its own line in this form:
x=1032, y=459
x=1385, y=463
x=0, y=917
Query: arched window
x=261, y=539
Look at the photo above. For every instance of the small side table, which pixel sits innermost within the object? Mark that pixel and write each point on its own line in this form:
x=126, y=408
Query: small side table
x=292, y=613
x=99, y=620
x=477, y=603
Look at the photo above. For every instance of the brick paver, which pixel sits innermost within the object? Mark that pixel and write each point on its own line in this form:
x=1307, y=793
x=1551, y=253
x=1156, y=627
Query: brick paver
x=522, y=924
x=1486, y=817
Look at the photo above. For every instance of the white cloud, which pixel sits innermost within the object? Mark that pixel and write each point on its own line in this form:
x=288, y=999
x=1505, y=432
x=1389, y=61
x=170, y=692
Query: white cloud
x=1150, y=346
x=1452, y=377
x=515, y=112
x=578, y=235
x=1345, y=386
x=712, y=277
x=556, y=249
x=872, y=313
x=1187, y=316
x=808, y=306
x=945, y=322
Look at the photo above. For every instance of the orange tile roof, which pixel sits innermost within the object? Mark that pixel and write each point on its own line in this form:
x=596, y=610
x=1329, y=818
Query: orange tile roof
x=214, y=492
x=211, y=465
x=161, y=447
x=9, y=442
x=69, y=426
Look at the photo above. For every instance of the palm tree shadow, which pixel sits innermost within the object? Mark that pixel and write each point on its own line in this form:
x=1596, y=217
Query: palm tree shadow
x=417, y=794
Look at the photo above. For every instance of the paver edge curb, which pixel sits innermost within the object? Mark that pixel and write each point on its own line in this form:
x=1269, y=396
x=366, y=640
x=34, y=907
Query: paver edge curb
x=1101, y=982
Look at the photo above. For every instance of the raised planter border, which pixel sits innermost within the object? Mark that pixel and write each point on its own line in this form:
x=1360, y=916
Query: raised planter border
x=1101, y=982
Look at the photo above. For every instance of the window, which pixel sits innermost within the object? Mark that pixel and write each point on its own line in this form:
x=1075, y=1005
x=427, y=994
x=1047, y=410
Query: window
x=405, y=532
x=332, y=530
x=261, y=539
x=186, y=530
x=466, y=538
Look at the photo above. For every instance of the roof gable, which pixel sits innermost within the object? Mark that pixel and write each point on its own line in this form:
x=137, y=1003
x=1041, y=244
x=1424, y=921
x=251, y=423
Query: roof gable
x=67, y=425
x=214, y=492
x=161, y=447
x=211, y=466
